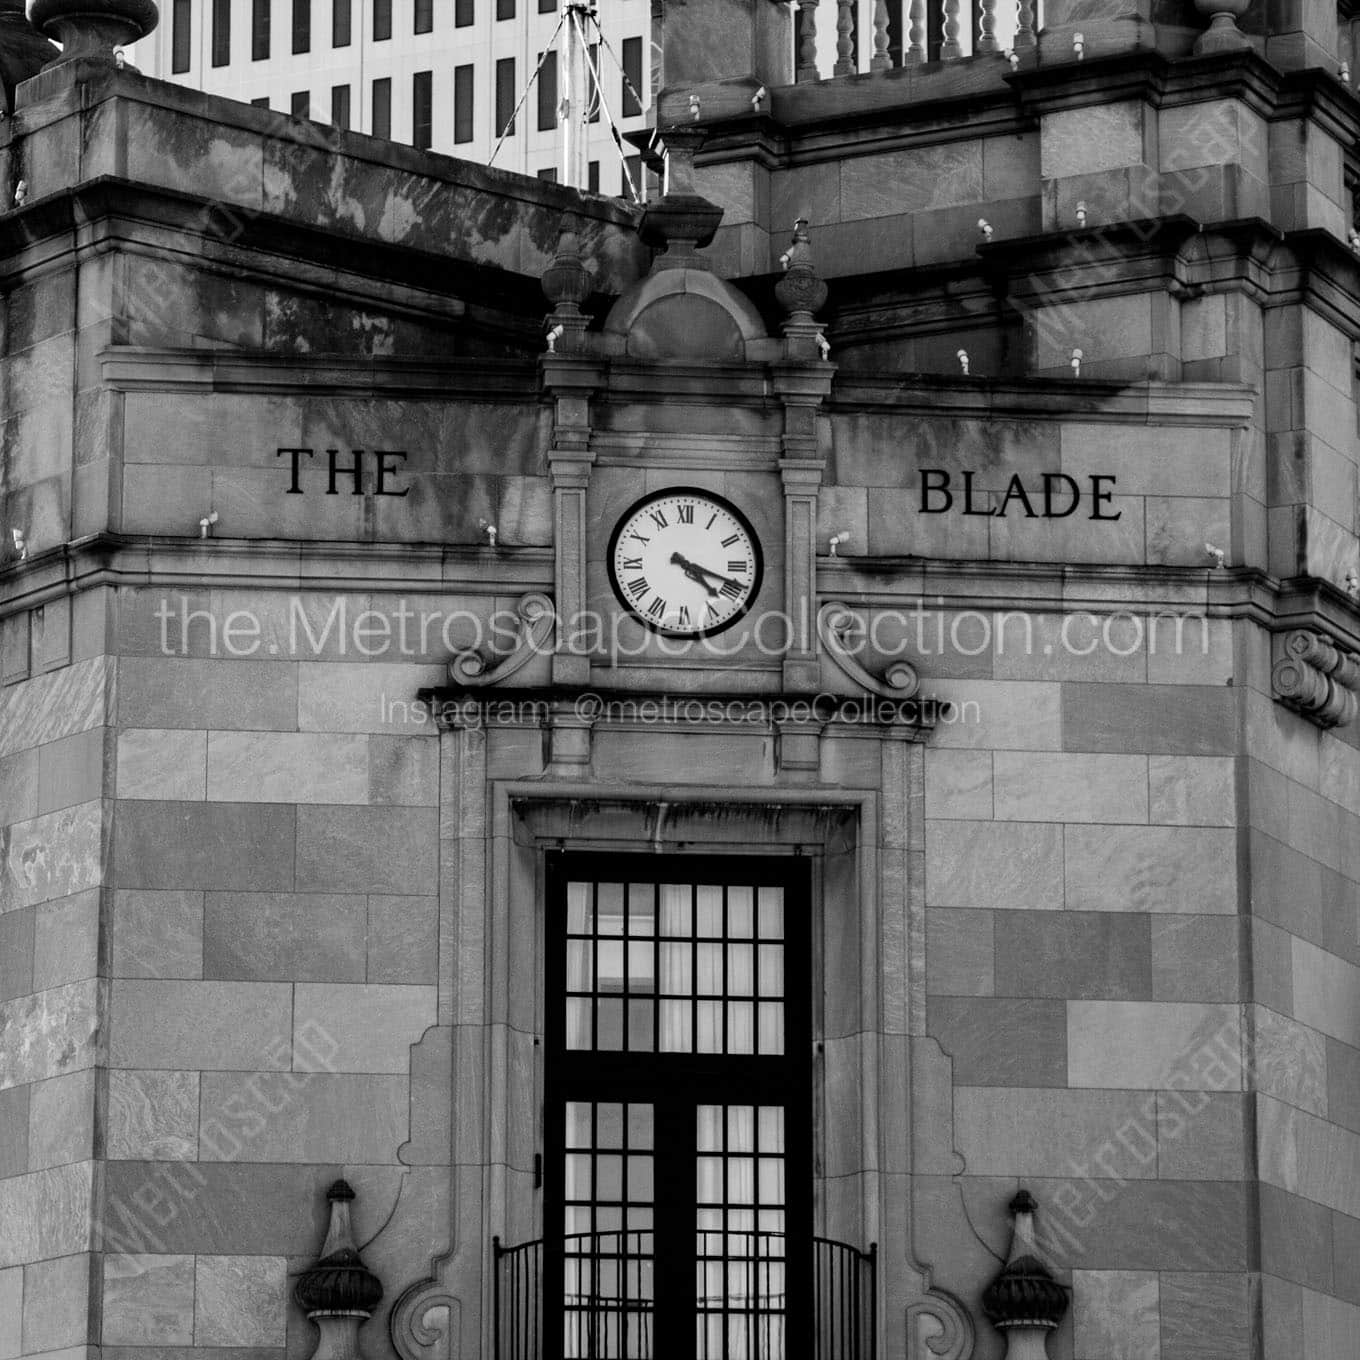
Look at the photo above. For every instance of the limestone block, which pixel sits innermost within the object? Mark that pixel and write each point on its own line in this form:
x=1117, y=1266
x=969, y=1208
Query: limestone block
x=1148, y=1045
x=1296, y=1238
x=303, y=1117
x=1177, y=528
x=46, y=1214
x=61, y=1121
x=56, y=1304
x=148, y=1300
x=1190, y=721
x=19, y=786
x=1329, y=1326
x=353, y=697
x=403, y=939
x=1168, y=869
x=153, y=1116
x=1201, y=1136
x=1272, y=962
x=364, y=1028
x=1077, y=646
x=1203, y=1312
x=1116, y=1315
x=14, y=1131
x=959, y=952
x=366, y=849
x=1192, y=790
x=959, y=784
x=49, y=1034
x=1288, y=1061
x=240, y=1301
x=11, y=1313
x=1073, y=954
x=1343, y=1084
x=1194, y=958
x=158, y=934
x=911, y=180
x=1346, y=1257
x=223, y=1026
x=1006, y=1131
x=65, y=940
x=1097, y=137
x=403, y=771
x=50, y=856
x=1001, y=1041
x=287, y=767
x=1017, y=715
x=1015, y=867
x=284, y=937
x=167, y=845
x=1326, y=992
x=71, y=770
x=1047, y=786
x=227, y=695
x=161, y=763
x=16, y=953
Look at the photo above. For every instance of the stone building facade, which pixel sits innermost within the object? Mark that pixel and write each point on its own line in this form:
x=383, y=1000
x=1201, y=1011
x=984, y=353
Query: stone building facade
x=364, y=820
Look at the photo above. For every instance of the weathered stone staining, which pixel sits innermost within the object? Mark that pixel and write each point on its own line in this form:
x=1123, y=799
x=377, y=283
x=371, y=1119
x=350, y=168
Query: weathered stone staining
x=1077, y=794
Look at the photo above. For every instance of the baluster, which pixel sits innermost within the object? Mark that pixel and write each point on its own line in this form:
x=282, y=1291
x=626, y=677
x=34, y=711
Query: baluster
x=949, y=47
x=986, y=22
x=880, y=61
x=845, y=46
x=807, y=51
x=1024, y=27
x=916, y=33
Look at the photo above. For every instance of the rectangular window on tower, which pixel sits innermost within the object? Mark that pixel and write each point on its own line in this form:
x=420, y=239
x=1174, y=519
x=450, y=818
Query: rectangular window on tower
x=547, y=6
x=505, y=97
x=342, y=23
x=302, y=25
x=547, y=92
x=382, y=108
x=382, y=20
x=593, y=176
x=631, y=95
x=340, y=110
x=181, y=39
x=591, y=69
x=678, y=1107
x=505, y=9
x=260, y=22
x=463, y=90
x=464, y=13
x=221, y=33
x=424, y=16
x=422, y=110
x=301, y=104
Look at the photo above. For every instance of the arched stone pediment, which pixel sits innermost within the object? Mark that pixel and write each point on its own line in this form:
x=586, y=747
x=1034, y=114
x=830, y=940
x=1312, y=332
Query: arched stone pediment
x=684, y=314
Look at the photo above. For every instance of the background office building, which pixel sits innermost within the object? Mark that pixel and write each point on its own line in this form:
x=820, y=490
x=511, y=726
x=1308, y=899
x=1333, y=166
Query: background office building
x=442, y=75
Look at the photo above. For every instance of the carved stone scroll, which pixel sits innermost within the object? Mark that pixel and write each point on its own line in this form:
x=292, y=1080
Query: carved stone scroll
x=1314, y=677
x=476, y=666
x=835, y=624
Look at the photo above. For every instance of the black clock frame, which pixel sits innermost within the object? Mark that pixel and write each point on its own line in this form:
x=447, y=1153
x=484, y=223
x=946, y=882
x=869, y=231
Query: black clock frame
x=687, y=634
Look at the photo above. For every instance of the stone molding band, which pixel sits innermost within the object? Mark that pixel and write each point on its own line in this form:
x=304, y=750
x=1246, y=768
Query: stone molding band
x=1316, y=678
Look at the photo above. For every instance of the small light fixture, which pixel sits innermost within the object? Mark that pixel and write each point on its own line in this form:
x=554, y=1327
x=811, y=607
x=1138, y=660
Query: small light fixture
x=490, y=530
x=1354, y=237
x=837, y=540
x=205, y=525
x=1345, y=73
x=1081, y=213
x=1013, y=57
x=1353, y=583
x=963, y=362
x=758, y=98
x=21, y=193
x=985, y=227
x=20, y=547
x=824, y=347
x=694, y=107
x=1218, y=554
x=554, y=335
x=1079, y=45
x=1075, y=361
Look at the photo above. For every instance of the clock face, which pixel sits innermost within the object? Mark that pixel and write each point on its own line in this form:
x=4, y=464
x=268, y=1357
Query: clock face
x=685, y=562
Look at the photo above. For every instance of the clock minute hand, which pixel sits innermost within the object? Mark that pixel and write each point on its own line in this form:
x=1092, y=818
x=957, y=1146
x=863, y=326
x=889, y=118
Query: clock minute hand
x=694, y=573
x=717, y=575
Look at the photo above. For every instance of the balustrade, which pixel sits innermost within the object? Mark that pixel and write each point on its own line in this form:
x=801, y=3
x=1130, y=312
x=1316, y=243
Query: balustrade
x=878, y=35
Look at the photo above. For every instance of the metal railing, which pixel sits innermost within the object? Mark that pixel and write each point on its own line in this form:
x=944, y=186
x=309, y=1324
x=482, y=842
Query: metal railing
x=608, y=1310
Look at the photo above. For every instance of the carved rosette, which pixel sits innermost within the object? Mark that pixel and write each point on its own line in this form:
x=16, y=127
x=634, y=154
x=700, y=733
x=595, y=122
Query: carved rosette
x=93, y=28
x=1316, y=678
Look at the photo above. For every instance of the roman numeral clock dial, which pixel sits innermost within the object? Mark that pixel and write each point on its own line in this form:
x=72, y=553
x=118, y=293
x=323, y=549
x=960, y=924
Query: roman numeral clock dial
x=685, y=563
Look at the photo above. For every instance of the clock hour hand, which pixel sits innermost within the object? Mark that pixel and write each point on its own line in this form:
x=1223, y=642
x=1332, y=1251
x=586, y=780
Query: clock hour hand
x=693, y=572
x=708, y=571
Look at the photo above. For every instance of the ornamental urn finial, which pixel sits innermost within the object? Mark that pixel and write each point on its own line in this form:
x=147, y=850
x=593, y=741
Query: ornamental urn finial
x=682, y=220
x=566, y=283
x=1024, y=1302
x=93, y=28
x=23, y=50
x=339, y=1293
x=802, y=290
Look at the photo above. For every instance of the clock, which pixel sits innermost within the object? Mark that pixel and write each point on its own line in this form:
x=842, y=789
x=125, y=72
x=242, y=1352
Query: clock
x=685, y=562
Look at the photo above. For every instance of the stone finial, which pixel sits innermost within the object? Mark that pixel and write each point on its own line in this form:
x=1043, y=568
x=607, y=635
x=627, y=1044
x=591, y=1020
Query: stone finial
x=681, y=220
x=339, y=1293
x=1223, y=34
x=23, y=50
x=1024, y=1302
x=93, y=28
x=802, y=290
x=566, y=283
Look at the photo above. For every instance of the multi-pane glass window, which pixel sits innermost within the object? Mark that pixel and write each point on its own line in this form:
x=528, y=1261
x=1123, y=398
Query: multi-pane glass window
x=302, y=25
x=342, y=22
x=464, y=13
x=424, y=16
x=180, y=37
x=382, y=107
x=505, y=97
x=382, y=20
x=547, y=91
x=463, y=89
x=631, y=82
x=678, y=1082
x=675, y=967
x=340, y=107
x=422, y=110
